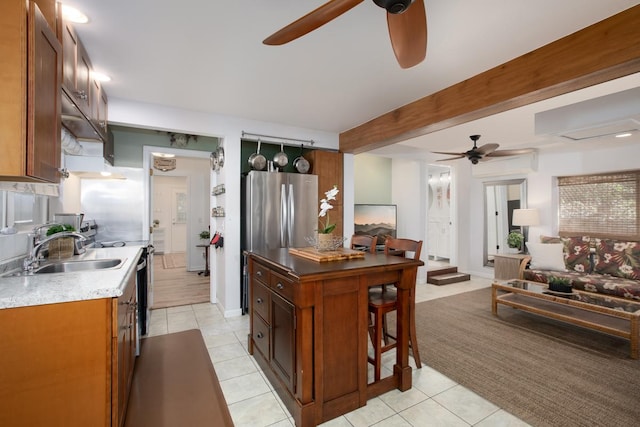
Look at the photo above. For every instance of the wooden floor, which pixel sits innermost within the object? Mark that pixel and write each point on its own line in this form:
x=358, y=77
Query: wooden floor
x=177, y=286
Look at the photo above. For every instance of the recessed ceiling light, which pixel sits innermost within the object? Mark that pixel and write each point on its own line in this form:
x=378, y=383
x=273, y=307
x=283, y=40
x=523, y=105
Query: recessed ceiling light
x=623, y=135
x=100, y=76
x=165, y=155
x=74, y=15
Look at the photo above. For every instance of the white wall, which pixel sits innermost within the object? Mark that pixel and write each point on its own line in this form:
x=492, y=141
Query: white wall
x=408, y=193
x=226, y=261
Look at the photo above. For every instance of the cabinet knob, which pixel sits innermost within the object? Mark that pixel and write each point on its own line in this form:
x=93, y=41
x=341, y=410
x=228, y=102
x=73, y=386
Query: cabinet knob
x=259, y=301
x=259, y=335
x=280, y=286
x=259, y=273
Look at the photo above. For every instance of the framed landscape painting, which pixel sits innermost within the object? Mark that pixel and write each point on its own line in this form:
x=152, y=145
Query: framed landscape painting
x=375, y=220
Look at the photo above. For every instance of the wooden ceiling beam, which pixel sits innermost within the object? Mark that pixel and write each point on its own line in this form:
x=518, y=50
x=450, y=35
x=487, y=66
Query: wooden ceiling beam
x=604, y=51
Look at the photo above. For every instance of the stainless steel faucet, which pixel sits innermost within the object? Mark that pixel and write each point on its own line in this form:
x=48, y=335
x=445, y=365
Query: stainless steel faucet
x=32, y=260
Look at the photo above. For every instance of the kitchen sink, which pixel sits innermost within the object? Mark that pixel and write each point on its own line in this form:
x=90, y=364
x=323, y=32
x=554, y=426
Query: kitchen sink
x=71, y=266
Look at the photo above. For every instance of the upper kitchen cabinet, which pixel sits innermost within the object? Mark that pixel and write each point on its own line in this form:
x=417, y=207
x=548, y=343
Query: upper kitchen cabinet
x=30, y=79
x=84, y=102
x=329, y=167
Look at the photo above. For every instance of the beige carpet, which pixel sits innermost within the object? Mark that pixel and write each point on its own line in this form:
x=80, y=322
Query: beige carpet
x=547, y=373
x=176, y=260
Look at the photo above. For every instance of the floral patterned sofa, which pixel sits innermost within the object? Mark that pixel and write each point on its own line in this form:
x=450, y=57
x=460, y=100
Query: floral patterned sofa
x=605, y=266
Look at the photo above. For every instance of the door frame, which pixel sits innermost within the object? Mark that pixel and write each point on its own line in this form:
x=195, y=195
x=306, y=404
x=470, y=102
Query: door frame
x=147, y=161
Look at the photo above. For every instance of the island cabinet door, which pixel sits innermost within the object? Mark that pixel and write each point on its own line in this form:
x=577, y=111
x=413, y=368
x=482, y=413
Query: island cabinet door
x=343, y=345
x=283, y=340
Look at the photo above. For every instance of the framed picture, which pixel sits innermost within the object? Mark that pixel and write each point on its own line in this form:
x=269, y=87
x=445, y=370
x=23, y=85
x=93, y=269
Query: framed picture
x=375, y=220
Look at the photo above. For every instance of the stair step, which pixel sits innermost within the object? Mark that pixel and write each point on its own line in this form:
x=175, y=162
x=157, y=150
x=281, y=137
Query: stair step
x=445, y=279
x=438, y=271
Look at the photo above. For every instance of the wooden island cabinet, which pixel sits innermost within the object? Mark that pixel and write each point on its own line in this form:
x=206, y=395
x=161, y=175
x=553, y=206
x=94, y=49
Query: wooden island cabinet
x=309, y=329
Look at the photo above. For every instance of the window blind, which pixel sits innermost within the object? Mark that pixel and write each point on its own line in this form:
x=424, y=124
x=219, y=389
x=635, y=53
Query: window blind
x=602, y=205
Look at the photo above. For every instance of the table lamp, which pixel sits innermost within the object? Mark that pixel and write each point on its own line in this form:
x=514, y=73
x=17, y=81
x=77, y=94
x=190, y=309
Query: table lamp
x=524, y=218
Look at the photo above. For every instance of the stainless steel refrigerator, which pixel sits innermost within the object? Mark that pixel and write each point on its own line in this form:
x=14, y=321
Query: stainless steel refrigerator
x=280, y=210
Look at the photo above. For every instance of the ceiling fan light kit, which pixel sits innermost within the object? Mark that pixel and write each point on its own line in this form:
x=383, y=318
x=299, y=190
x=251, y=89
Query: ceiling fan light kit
x=394, y=6
x=406, y=21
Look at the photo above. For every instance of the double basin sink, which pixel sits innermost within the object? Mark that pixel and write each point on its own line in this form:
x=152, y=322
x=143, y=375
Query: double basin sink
x=69, y=266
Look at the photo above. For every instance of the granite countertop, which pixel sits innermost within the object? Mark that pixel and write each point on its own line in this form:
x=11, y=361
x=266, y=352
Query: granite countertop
x=51, y=288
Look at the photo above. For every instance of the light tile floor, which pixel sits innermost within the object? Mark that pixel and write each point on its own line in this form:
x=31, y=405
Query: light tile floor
x=434, y=400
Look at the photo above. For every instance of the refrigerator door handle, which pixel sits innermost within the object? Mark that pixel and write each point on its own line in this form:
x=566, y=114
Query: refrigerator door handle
x=284, y=215
x=292, y=216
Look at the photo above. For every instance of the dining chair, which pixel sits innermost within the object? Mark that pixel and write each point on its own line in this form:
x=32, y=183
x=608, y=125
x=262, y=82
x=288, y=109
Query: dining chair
x=383, y=302
x=364, y=242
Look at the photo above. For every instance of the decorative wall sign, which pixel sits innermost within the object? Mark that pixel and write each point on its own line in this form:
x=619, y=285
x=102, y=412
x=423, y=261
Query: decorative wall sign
x=164, y=164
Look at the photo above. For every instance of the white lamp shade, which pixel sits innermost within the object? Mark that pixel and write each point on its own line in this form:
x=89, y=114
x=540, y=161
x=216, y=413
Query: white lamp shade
x=526, y=217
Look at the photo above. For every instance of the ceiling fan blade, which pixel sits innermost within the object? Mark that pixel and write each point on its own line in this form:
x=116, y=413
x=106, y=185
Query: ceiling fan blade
x=451, y=158
x=504, y=153
x=451, y=154
x=487, y=148
x=311, y=21
x=408, y=33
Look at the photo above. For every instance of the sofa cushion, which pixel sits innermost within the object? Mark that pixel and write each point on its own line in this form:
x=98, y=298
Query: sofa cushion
x=618, y=258
x=577, y=254
x=546, y=256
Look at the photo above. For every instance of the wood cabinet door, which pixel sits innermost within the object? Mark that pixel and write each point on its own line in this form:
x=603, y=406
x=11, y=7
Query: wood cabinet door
x=83, y=80
x=125, y=352
x=329, y=167
x=283, y=339
x=103, y=110
x=43, y=116
x=69, y=58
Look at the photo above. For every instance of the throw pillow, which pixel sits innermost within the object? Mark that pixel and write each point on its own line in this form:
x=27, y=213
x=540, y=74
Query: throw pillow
x=618, y=258
x=546, y=256
x=577, y=254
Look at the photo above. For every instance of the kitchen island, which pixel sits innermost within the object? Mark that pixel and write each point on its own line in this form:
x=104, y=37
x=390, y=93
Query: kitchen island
x=309, y=329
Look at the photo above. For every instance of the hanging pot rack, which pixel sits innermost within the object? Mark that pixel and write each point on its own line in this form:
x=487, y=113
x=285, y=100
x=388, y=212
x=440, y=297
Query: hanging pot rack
x=279, y=139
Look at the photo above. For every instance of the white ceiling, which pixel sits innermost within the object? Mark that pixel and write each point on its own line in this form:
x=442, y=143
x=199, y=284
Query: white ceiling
x=207, y=55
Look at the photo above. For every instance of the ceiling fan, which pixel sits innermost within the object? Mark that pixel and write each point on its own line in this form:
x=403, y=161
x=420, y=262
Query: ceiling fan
x=477, y=154
x=406, y=21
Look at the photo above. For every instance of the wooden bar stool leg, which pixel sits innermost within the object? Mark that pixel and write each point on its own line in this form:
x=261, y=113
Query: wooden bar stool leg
x=413, y=342
x=378, y=345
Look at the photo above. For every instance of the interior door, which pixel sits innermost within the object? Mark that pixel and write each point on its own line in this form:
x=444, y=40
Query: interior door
x=179, y=211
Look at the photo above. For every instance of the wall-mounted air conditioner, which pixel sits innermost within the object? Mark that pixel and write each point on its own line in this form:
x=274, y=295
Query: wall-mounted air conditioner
x=516, y=165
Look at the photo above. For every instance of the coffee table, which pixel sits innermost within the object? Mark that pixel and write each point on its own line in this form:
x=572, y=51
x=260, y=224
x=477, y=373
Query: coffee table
x=604, y=313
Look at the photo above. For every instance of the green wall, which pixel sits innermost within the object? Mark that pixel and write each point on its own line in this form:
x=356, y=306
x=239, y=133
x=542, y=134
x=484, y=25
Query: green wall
x=372, y=179
x=128, y=143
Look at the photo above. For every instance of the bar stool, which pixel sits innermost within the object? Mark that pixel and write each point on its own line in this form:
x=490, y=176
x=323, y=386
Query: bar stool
x=384, y=301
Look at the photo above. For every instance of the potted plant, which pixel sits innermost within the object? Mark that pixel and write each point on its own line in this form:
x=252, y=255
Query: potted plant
x=325, y=240
x=205, y=235
x=62, y=247
x=560, y=284
x=515, y=240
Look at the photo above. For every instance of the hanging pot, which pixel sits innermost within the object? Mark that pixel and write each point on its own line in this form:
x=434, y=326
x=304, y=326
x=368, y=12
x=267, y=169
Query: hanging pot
x=281, y=159
x=301, y=164
x=257, y=161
